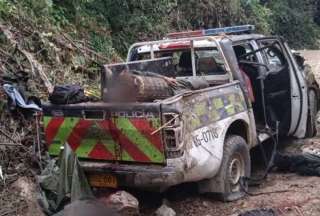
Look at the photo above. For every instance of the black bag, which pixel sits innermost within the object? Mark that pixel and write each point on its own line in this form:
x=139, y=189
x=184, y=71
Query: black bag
x=67, y=94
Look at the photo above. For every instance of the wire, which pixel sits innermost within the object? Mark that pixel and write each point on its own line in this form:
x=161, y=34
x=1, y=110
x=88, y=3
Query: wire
x=244, y=180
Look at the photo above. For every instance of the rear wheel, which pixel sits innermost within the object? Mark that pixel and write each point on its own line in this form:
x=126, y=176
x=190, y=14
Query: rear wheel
x=228, y=184
x=312, y=113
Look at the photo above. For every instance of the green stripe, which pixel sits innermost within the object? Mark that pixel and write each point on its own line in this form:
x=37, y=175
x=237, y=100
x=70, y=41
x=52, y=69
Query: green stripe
x=55, y=148
x=46, y=121
x=63, y=133
x=139, y=140
x=110, y=144
x=88, y=144
x=86, y=147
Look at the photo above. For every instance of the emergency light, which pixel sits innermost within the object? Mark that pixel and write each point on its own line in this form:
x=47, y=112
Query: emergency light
x=212, y=32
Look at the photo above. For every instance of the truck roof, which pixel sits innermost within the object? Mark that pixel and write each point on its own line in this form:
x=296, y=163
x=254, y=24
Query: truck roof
x=199, y=42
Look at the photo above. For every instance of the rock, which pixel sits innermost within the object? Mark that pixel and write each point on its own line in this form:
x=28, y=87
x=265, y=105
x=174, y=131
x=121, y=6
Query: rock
x=206, y=204
x=165, y=210
x=124, y=203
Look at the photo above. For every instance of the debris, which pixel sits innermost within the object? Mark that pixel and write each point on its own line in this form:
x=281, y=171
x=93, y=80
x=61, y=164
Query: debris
x=84, y=48
x=1, y=174
x=259, y=212
x=124, y=203
x=304, y=164
x=64, y=183
x=28, y=191
x=8, y=137
x=36, y=67
x=18, y=100
x=165, y=210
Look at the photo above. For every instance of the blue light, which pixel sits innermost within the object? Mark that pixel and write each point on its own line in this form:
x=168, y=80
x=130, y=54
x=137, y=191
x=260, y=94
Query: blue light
x=229, y=30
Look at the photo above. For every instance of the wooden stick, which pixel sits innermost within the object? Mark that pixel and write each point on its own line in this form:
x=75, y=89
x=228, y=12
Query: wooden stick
x=9, y=137
x=165, y=125
x=10, y=144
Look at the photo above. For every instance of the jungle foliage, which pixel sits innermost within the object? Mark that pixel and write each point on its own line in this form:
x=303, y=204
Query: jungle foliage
x=111, y=26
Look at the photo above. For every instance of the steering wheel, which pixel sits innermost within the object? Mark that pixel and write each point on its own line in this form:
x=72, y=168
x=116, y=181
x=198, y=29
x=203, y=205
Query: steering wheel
x=276, y=70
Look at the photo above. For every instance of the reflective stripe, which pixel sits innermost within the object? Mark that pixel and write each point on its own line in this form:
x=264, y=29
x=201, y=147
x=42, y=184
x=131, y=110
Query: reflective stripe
x=52, y=128
x=139, y=140
x=78, y=133
x=145, y=129
x=100, y=139
x=126, y=144
x=86, y=147
x=62, y=135
x=101, y=152
x=46, y=121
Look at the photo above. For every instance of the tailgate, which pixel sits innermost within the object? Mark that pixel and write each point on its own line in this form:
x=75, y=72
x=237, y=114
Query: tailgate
x=106, y=132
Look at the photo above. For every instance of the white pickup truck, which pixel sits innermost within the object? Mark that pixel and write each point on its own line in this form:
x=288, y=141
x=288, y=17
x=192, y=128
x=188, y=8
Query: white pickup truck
x=238, y=89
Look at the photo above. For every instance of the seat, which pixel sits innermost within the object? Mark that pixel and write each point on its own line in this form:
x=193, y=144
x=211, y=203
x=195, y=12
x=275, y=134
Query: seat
x=208, y=66
x=185, y=64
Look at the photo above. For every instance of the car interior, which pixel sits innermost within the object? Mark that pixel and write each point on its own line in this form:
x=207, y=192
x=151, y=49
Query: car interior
x=270, y=83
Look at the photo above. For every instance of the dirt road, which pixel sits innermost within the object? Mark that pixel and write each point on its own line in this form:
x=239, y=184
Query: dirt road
x=313, y=59
x=289, y=194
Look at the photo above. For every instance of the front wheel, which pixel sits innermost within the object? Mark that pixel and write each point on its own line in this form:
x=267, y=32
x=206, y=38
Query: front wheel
x=312, y=113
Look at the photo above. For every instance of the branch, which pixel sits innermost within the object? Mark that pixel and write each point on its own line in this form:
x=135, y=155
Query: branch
x=84, y=48
x=9, y=137
x=36, y=67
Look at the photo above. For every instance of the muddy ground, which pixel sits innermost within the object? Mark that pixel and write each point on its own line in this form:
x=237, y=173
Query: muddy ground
x=287, y=193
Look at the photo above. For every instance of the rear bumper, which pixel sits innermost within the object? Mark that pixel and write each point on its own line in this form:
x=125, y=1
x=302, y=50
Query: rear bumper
x=147, y=177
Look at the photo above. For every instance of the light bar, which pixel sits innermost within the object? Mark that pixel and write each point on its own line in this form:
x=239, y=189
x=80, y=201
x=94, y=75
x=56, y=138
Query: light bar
x=211, y=32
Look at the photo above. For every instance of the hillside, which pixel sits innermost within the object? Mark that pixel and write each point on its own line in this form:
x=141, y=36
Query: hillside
x=48, y=42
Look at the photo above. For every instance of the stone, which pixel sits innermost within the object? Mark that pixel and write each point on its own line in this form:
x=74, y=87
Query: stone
x=165, y=210
x=124, y=203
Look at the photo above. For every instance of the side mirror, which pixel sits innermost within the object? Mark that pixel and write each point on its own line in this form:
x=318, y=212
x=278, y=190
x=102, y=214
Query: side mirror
x=299, y=59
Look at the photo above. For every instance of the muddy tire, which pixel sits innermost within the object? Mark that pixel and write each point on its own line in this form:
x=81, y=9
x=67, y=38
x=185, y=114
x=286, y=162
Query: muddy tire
x=311, y=130
x=227, y=185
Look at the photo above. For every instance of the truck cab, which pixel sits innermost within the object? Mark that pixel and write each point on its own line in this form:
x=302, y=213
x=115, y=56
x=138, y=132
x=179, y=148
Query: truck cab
x=187, y=108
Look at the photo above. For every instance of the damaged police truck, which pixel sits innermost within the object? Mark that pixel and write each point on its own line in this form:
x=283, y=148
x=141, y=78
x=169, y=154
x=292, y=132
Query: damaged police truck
x=188, y=108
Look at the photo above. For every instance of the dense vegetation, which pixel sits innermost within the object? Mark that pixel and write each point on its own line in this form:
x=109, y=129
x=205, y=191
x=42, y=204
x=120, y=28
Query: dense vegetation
x=111, y=26
x=65, y=41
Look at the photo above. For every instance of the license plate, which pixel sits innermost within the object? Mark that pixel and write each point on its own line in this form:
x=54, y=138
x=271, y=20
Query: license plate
x=103, y=180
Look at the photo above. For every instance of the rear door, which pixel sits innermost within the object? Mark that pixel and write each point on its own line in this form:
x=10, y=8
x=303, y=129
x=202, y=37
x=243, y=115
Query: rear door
x=299, y=101
x=106, y=132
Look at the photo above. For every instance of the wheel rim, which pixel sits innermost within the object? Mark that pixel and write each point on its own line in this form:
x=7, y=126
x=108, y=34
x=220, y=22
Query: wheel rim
x=236, y=169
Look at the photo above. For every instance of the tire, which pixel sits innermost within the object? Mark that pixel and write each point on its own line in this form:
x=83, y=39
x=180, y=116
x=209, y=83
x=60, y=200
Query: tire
x=227, y=185
x=311, y=129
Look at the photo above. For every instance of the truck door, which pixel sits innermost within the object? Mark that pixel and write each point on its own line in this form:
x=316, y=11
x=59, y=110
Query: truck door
x=286, y=90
